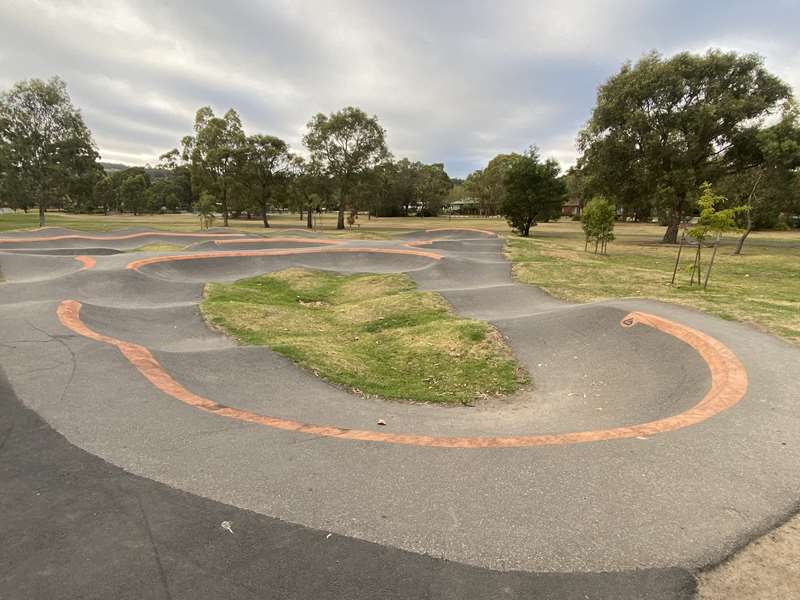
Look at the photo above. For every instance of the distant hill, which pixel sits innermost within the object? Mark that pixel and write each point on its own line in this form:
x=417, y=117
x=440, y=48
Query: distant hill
x=112, y=168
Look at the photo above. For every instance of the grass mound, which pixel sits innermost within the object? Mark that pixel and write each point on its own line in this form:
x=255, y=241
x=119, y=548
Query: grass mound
x=158, y=247
x=373, y=333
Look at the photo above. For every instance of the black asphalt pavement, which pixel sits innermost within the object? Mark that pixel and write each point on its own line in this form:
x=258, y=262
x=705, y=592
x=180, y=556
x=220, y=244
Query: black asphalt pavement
x=74, y=526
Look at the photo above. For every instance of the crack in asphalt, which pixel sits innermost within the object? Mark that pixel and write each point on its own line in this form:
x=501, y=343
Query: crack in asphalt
x=60, y=339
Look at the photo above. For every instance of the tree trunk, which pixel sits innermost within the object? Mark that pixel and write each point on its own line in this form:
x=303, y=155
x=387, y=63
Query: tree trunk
x=41, y=214
x=264, y=215
x=310, y=217
x=747, y=231
x=711, y=263
x=340, y=219
x=671, y=234
x=224, y=207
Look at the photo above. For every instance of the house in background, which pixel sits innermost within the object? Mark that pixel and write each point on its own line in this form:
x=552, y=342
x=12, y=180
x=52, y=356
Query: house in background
x=572, y=208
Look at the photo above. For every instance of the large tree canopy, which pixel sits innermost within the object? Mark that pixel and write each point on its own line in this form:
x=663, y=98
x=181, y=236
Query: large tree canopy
x=268, y=163
x=346, y=144
x=216, y=153
x=46, y=150
x=663, y=126
x=533, y=191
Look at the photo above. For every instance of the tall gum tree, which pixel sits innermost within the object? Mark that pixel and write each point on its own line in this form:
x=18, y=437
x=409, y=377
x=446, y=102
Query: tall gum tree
x=47, y=150
x=268, y=163
x=663, y=126
x=216, y=154
x=346, y=144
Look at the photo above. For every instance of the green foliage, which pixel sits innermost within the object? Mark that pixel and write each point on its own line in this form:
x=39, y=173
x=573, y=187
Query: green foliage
x=488, y=185
x=267, y=167
x=662, y=126
x=534, y=192
x=215, y=154
x=346, y=145
x=597, y=220
x=206, y=206
x=47, y=155
x=713, y=220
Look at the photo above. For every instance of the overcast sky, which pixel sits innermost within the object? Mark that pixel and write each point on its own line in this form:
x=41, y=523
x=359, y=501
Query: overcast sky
x=452, y=82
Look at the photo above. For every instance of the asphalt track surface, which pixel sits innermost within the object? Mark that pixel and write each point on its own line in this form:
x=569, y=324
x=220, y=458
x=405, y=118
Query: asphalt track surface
x=129, y=432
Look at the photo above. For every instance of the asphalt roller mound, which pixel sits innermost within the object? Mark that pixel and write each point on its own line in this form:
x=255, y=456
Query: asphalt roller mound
x=233, y=265
x=18, y=268
x=124, y=239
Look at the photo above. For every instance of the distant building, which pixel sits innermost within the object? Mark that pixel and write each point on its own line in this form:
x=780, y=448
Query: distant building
x=572, y=208
x=464, y=206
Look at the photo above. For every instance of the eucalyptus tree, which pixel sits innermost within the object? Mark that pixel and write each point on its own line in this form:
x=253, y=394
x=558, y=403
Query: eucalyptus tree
x=488, y=185
x=663, y=126
x=433, y=186
x=216, y=154
x=346, y=145
x=267, y=166
x=48, y=150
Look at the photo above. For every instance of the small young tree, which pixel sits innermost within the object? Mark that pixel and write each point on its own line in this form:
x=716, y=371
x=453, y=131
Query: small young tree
x=597, y=221
x=712, y=222
x=205, y=207
x=534, y=192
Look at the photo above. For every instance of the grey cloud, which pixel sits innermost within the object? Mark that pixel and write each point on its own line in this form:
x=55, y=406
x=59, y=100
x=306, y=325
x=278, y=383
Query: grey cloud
x=452, y=82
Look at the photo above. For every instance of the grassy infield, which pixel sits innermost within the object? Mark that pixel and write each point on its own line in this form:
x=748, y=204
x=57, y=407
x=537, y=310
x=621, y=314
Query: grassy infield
x=378, y=335
x=373, y=333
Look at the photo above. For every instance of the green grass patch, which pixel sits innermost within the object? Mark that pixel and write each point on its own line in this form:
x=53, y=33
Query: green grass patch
x=375, y=334
x=761, y=287
x=158, y=247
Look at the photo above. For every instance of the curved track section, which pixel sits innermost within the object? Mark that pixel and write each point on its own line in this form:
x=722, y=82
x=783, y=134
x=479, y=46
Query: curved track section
x=654, y=437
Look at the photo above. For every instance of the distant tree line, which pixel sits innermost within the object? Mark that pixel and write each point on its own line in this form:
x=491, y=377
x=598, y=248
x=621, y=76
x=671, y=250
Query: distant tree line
x=661, y=127
x=48, y=159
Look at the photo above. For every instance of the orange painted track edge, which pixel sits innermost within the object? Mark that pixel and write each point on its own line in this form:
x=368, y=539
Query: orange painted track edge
x=137, y=264
x=88, y=261
x=728, y=386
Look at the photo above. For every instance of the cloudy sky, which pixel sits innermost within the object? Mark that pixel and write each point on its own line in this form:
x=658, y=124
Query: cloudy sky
x=452, y=82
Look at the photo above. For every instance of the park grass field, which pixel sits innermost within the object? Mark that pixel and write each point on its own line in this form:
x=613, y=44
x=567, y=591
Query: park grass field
x=761, y=287
x=375, y=228
x=374, y=334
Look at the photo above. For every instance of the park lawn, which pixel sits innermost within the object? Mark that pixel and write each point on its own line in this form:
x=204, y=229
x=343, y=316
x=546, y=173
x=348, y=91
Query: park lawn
x=158, y=247
x=375, y=228
x=374, y=334
x=760, y=287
